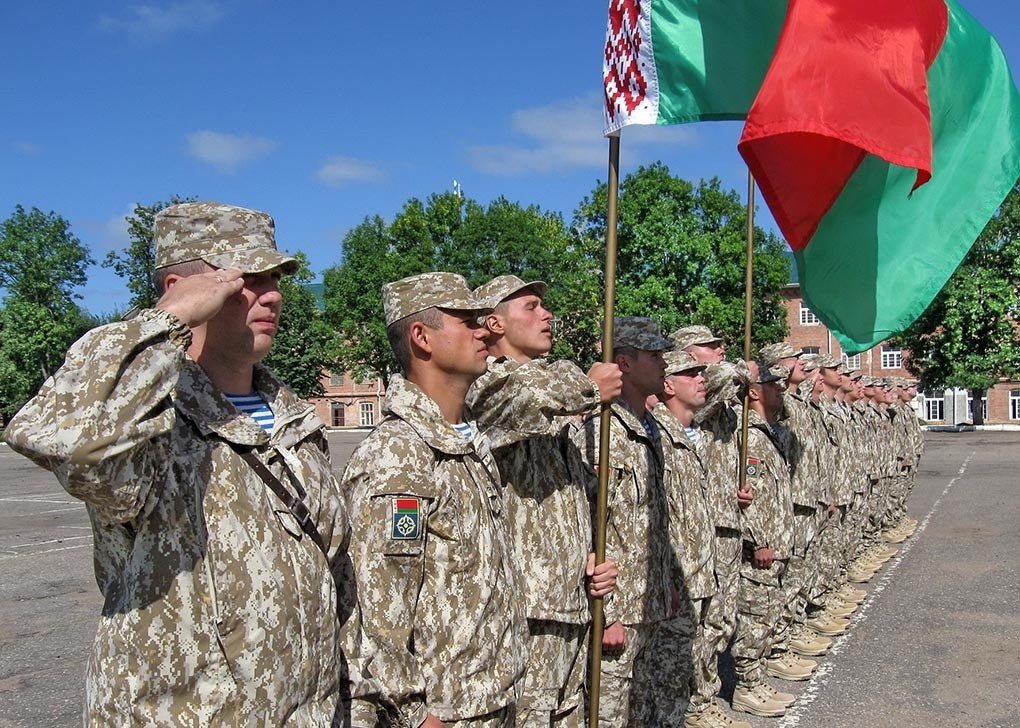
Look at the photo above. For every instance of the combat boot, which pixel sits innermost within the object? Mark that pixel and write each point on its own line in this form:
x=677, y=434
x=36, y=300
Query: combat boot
x=849, y=594
x=809, y=643
x=894, y=536
x=757, y=700
x=859, y=575
x=786, y=699
x=840, y=610
x=713, y=717
x=788, y=666
x=826, y=625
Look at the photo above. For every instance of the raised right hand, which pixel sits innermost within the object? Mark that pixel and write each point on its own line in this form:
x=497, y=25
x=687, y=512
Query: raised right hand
x=197, y=298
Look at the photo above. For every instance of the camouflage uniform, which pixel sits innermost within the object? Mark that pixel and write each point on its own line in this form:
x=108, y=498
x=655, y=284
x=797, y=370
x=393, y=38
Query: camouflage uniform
x=719, y=423
x=910, y=444
x=637, y=535
x=524, y=411
x=218, y=610
x=678, y=649
x=837, y=470
x=768, y=521
x=800, y=436
x=442, y=629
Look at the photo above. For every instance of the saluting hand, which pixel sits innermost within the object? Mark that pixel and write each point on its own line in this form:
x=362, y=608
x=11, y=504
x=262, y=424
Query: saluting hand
x=197, y=298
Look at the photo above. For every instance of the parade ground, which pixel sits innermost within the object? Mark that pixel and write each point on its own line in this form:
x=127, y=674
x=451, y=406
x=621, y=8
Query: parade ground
x=937, y=642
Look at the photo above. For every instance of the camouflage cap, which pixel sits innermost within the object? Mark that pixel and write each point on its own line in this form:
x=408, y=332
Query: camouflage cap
x=678, y=361
x=502, y=287
x=426, y=290
x=224, y=236
x=692, y=335
x=811, y=362
x=639, y=332
x=772, y=353
x=828, y=361
x=855, y=374
x=867, y=381
x=768, y=374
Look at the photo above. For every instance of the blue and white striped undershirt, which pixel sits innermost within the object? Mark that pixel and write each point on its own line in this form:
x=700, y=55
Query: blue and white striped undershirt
x=254, y=406
x=693, y=433
x=465, y=429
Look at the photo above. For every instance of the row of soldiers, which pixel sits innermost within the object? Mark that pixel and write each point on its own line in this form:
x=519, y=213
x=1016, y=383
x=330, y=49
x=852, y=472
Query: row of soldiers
x=446, y=578
x=695, y=559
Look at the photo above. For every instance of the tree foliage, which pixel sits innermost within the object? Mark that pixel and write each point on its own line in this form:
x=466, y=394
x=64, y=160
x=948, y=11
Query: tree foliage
x=137, y=262
x=305, y=344
x=682, y=252
x=681, y=261
x=969, y=337
x=41, y=265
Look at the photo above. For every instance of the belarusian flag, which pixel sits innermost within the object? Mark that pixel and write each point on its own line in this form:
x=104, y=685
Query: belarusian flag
x=883, y=135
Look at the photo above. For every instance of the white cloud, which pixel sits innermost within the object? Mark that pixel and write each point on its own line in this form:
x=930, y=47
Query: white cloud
x=106, y=235
x=338, y=171
x=149, y=20
x=30, y=149
x=226, y=152
x=562, y=137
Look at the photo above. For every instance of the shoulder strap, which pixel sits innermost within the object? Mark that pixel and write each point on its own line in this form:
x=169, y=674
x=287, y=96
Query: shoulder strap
x=297, y=507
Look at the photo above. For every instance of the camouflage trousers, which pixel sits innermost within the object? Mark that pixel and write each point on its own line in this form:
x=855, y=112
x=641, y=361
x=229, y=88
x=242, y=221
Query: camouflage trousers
x=830, y=555
x=553, y=690
x=851, y=533
x=900, y=492
x=799, y=575
x=674, y=658
x=758, y=612
x=875, y=508
x=720, y=619
x=628, y=681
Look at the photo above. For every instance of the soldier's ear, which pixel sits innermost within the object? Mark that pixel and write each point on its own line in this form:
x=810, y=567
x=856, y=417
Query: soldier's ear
x=494, y=324
x=667, y=387
x=418, y=337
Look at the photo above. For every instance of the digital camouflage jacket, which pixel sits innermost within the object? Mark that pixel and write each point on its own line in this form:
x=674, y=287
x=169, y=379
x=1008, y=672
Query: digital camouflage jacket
x=442, y=628
x=218, y=609
x=525, y=412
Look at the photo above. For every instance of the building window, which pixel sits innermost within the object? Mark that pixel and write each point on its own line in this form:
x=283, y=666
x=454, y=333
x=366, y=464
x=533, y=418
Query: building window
x=934, y=407
x=367, y=410
x=336, y=379
x=852, y=362
x=811, y=350
x=984, y=406
x=1014, y=404
x=337, y=413
x=892, y=357
x=807, y=316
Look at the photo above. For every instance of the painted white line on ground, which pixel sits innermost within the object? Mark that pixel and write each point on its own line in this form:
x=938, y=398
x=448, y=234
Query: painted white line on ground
x=78, y=528
x=51, y=551
x=43, y=499
x=41, y=543
x=55, y=510
x=821, y=676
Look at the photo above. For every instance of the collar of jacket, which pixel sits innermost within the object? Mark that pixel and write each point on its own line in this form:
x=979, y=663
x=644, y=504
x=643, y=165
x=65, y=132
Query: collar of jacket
x=669, y=424
x=202, y=402
x=630, y=420
x=406, y=401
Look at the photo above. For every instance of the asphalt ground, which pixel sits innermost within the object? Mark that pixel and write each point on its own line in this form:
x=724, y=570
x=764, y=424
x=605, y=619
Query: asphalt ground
x=937, y=642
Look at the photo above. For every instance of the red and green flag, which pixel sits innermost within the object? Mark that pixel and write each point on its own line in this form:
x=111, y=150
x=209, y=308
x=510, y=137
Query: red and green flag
x=883, y=136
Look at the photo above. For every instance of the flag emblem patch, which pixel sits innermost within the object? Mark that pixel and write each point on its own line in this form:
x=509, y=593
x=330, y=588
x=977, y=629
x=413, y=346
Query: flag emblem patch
x=753, y=467
x=405, y=519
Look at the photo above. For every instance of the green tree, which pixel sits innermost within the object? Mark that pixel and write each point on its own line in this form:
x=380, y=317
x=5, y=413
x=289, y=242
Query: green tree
x=682, y=252
x=137, y=262
x=969, y=336
x=305, y=344
x=41, y=265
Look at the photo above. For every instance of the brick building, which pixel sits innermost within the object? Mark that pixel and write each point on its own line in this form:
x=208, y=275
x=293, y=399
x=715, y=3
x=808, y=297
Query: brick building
x=949, y=407
x=348, y=403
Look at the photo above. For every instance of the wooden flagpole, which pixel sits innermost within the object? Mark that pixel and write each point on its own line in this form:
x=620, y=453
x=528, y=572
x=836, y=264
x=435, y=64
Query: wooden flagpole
x=748, y=276
x=602, y=497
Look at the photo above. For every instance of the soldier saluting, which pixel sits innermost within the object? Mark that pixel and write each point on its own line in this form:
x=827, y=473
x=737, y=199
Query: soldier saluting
x=220, y=606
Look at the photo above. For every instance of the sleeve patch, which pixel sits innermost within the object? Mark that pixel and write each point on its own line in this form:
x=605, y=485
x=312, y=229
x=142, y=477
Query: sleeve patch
x=405, y=519
x=753, y=467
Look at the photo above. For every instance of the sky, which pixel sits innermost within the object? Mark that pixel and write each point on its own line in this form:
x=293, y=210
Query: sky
x=321, y=113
